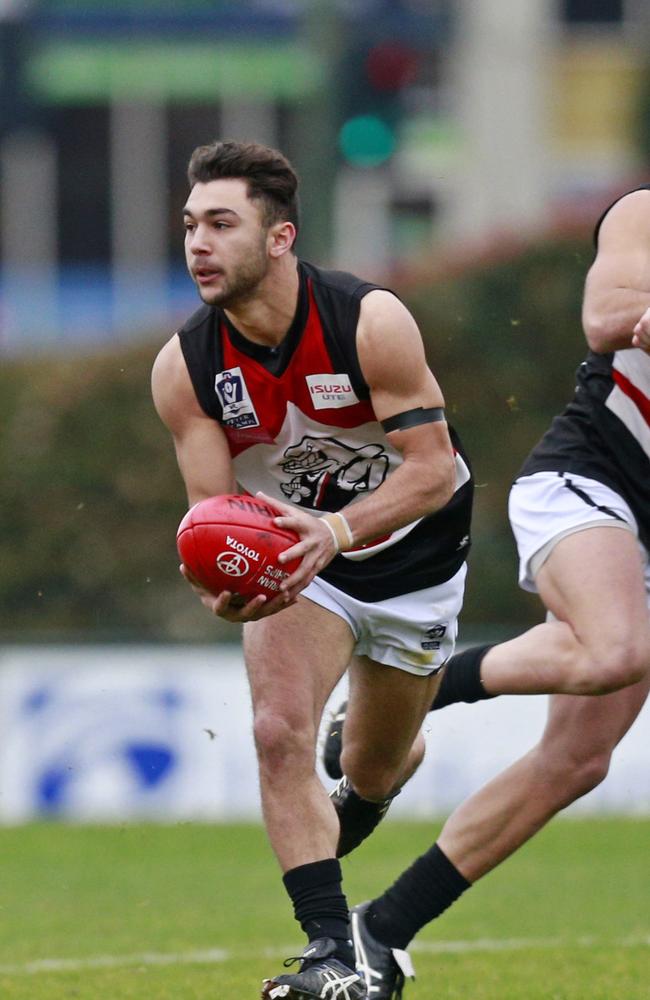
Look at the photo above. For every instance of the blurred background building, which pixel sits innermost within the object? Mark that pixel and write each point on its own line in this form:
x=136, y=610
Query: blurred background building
x=459, y=149
x=415, y=124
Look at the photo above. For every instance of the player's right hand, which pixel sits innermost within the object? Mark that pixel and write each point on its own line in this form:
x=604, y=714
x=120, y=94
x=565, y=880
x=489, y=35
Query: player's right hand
x=227, y=606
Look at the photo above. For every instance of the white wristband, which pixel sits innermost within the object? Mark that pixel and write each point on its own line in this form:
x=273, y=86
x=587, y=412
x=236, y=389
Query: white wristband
x=332, y=533
x=341, y=531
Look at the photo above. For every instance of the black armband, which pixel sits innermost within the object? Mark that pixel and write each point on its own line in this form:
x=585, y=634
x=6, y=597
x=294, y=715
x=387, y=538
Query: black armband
x=413, y=418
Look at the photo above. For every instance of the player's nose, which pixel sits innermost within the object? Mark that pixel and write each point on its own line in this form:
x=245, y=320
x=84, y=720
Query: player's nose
x=198, y=242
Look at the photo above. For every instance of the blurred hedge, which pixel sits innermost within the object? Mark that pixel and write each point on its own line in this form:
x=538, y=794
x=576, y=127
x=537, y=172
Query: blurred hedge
x=92, y=496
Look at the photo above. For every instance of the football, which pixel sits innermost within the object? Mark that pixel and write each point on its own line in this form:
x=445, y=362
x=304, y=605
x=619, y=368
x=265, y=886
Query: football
x=231, y=543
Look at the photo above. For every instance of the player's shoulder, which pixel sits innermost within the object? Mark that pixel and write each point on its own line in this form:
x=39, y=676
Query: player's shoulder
x=630, y=209
x=383, y=317
x=170, y=382
x=340, y=283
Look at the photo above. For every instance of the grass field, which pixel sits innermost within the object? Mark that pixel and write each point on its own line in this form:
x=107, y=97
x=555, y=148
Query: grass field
x=194, y=912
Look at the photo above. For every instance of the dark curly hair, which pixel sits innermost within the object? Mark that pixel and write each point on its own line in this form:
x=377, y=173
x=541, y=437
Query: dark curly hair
x=268, y=174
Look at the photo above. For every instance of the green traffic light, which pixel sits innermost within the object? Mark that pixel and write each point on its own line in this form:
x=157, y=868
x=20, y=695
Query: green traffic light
x=366, y=141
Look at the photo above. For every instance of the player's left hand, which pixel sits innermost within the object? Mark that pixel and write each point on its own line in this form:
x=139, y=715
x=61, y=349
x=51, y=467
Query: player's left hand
x=315, y=549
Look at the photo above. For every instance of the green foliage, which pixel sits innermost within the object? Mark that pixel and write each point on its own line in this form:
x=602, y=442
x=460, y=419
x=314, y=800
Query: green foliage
x=92, y=495
x=91, y=500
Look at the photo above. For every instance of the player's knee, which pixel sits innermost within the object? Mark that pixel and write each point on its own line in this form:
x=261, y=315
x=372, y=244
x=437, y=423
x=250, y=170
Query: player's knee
x=279, y=740
x=590, y=772
x=571, y=773
x=584, y=774
x=621, y=663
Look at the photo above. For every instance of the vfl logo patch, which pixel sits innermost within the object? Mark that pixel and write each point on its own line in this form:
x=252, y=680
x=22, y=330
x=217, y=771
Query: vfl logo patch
x=434, y=636
x=236, y=403
x=330, y=391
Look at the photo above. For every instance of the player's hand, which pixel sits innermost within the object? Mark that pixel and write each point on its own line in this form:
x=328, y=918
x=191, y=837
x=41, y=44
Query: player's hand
x=316, y=547
x=641, y=333
x=228, y=606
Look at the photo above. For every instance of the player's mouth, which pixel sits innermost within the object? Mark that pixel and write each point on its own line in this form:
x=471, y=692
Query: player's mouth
x=206, y=275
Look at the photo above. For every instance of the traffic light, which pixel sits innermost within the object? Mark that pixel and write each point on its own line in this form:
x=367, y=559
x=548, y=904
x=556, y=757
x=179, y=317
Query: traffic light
x=375, y=77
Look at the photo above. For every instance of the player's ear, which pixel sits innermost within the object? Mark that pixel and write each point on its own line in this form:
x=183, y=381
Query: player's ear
x=281, y=237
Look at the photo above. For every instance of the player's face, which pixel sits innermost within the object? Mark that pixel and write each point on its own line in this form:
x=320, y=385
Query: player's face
x=225, y=242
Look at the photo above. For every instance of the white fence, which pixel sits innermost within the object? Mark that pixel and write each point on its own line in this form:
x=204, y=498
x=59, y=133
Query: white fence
x=117, y=733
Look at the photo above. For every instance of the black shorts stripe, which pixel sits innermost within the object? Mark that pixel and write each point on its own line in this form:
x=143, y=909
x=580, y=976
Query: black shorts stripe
x=587, y=499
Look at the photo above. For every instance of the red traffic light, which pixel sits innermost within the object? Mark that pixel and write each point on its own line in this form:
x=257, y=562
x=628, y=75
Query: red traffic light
x=391, y=65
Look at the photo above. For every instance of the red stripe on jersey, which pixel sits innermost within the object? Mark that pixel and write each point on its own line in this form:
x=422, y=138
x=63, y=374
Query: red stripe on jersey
x=321, y=492
x=271, y=393
x=638, y=397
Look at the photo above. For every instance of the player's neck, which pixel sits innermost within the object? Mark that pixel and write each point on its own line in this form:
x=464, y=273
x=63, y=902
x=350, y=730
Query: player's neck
x=265, y=318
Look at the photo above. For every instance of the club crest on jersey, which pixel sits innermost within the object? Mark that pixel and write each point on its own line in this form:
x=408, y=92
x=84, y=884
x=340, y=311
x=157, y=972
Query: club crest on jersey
x=324, y=473
x=236, y=403
x=330, y=391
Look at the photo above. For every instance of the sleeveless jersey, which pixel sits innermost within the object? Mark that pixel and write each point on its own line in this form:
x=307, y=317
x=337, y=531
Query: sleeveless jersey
x=604, y=433
x=300, y=427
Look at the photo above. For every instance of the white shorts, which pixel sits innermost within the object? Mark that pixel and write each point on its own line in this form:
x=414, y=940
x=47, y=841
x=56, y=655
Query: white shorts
x=546, y=507
x=414, y=632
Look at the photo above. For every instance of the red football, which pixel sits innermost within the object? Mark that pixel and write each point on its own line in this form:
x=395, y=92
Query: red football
x=230, y=543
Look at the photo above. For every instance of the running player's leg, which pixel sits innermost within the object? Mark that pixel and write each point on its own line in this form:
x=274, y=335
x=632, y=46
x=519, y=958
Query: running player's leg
x=578, y=547
x=572, y=757
x=593, y=583
x=570, y=760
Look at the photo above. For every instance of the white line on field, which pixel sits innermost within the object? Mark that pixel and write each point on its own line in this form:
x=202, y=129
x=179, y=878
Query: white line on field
x=215, y=956
x=211, y=956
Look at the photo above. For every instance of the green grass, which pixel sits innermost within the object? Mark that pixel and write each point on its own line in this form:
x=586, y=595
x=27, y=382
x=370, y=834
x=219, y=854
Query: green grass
x=568, y=918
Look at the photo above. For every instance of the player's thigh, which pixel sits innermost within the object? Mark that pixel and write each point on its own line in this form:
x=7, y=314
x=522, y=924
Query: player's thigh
x=295, y=658
x=582, y=728
x=594, y=580
x=386, y=708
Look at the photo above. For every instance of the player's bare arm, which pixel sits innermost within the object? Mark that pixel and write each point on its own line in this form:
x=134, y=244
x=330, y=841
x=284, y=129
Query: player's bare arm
x=393, y=362
x=204, y=461
x=616, y=306
x=392, y=359
x=201, y=447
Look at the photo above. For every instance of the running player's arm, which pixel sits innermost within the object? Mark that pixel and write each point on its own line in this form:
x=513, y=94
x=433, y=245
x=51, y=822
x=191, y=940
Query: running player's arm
x=617, y=289
x=392, y=360
x=393, y=363
x=201, y=447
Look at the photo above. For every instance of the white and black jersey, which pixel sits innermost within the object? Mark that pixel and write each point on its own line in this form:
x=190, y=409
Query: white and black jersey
x=300, y=427
x=604, y=433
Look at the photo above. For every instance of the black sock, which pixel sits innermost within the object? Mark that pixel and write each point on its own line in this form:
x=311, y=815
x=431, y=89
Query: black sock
x=319, y=904
x=420, y=894
x=461, y=678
